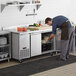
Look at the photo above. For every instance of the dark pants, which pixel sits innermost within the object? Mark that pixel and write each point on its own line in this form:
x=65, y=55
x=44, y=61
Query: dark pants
x=67, y=42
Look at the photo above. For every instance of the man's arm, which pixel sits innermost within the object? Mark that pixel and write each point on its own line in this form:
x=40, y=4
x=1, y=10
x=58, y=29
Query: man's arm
x=51, y=36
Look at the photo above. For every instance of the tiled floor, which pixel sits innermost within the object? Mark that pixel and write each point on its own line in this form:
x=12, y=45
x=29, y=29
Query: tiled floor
x=68, y=70
x=7, y=64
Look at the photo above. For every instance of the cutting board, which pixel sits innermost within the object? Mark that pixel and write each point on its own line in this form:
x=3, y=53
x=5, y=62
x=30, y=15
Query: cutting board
x=44, y=27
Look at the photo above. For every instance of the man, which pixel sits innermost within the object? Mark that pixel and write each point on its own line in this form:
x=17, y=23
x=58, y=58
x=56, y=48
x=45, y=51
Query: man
x=67, y=34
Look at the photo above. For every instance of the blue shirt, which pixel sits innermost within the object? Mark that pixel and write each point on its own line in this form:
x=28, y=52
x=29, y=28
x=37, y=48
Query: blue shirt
x=57, y=23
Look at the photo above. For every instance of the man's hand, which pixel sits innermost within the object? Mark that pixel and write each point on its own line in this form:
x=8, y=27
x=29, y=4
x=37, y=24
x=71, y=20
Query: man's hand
x=51, y=36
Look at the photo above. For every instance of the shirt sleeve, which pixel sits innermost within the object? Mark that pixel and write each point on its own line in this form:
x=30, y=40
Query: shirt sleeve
x=54, y=26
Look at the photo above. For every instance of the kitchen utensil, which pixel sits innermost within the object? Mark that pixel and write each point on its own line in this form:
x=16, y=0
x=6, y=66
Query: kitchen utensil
x=15, y=2
x=1, y=55
x=26, y=1
x=21, y=2
x=37, y=1
x=9, y=3
x=6, y=55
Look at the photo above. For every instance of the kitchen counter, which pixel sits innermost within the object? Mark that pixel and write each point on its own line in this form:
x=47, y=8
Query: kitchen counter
x=4, y=32
x=29, y=44
x=41, y=30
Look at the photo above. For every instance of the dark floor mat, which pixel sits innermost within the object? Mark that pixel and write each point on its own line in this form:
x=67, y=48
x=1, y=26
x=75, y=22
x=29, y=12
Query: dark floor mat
x=33, y=67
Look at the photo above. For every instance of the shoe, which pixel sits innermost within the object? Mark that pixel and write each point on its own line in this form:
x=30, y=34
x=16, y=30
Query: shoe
x=63, y=59
x=67, y=57
x=59, y=59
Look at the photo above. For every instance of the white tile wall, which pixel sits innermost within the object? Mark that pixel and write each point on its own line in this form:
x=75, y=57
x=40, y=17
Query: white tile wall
x=53, y=8
x=11, y=16
x=50, y=8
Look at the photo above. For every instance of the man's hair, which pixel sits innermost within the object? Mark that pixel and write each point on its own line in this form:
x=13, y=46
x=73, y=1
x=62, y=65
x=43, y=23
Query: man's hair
x=47, y=19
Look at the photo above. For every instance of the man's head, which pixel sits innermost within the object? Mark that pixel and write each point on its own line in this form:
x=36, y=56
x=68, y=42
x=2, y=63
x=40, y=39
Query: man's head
x=48, y=21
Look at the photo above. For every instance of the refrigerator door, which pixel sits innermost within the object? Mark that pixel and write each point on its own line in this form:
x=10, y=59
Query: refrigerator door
x=35, y=44
x=24, y=41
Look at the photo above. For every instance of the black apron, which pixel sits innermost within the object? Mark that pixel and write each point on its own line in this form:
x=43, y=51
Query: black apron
x=64, y=31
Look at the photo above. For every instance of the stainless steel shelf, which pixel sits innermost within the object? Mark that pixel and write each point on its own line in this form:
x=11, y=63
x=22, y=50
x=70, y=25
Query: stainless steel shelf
x=7, y=47
x=47, y=43
x=49, y=51
x=4, y=45
x=4, y=59
x=20, y=6
x=23, y=4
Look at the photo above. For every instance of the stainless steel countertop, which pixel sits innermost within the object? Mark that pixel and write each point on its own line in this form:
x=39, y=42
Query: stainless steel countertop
x=31, y=32
x=4, y=32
